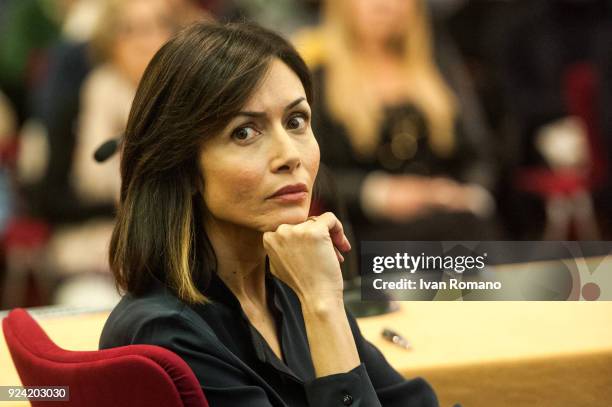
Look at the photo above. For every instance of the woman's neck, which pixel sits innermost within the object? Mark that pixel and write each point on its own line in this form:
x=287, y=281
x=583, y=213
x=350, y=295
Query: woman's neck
x=240, y=260
x=385, y=72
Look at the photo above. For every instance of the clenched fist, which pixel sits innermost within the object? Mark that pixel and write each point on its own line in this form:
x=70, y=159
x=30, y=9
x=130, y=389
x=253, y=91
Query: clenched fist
x=307, y=256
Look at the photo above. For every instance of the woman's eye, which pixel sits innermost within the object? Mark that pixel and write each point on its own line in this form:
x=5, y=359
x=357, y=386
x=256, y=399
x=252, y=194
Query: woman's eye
x=244, y=133
x=296, y=122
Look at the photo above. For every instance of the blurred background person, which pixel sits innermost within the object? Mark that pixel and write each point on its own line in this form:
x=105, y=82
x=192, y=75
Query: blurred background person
x=84, y=100
x=554, y=63
x=398, y=124
x=127, y=36
x=61, y=110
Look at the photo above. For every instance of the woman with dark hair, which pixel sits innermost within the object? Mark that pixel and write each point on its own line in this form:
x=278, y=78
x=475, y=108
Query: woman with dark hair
x=213, y=245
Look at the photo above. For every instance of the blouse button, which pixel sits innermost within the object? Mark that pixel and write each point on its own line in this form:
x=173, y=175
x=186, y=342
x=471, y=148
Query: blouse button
x=347, y=400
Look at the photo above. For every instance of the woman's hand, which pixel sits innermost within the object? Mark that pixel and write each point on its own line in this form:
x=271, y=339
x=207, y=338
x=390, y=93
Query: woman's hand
x=409, y=196
x=307, y=257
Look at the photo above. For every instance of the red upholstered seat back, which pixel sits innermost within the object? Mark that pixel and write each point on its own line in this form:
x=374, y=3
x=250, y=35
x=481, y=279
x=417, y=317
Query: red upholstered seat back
x=582, y=88
x=134, y=375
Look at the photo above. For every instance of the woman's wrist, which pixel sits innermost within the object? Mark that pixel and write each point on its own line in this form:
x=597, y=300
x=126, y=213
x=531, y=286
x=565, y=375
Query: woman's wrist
x=321, y=306
x=331, y=341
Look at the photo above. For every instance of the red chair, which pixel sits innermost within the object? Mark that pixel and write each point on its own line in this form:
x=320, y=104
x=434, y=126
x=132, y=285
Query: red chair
x=134, y=375
x=568, y=193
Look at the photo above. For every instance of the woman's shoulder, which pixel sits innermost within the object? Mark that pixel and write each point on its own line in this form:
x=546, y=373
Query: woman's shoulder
x=106, y=83
x=157, y=318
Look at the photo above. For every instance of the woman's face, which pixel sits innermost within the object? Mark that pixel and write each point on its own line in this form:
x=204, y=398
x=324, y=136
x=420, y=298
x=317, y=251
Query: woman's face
x=380, y=20
x=268, y=146
x=143, y=27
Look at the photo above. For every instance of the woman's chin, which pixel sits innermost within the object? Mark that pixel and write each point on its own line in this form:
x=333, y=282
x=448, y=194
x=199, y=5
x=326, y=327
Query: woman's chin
x=290, y=217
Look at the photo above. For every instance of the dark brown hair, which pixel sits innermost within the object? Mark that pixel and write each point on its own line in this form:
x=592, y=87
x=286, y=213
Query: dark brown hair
x=195, y=84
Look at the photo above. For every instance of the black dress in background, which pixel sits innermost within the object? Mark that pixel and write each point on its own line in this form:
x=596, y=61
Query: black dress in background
x=404, y=125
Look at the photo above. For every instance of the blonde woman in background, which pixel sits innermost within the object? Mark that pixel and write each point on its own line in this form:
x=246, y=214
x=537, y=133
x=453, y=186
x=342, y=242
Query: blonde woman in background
x=127, y=35
x=405, y=148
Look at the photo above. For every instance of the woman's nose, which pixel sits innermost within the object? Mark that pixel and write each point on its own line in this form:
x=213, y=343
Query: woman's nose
x=285, y=153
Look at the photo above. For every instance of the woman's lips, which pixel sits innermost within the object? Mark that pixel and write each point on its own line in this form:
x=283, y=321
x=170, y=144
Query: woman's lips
x=291, y=197
x=291, y=193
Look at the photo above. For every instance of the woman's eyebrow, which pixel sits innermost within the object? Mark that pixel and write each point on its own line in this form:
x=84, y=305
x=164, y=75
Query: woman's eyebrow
x=263, y=114
x=295, y=103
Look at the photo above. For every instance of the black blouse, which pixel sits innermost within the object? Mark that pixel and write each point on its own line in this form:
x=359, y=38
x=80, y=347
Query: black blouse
x=235, y=365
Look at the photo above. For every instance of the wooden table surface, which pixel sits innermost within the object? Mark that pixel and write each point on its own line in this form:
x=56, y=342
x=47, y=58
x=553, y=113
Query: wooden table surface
x=474, y=353
x=504, y=353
